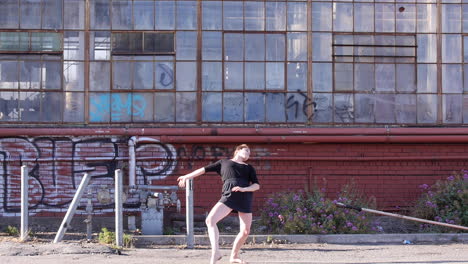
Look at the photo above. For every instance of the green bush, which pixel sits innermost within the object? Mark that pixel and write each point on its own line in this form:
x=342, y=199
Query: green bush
x=301, y=212
x=108, y=237
x=12, y=230
x=446, y=201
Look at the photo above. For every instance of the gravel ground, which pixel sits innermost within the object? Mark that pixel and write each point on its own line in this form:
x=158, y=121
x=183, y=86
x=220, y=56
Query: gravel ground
x=72, y=251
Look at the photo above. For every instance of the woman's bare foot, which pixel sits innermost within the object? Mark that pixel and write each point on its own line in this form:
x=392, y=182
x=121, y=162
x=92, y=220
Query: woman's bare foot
x=215, y=258
x=237, y=260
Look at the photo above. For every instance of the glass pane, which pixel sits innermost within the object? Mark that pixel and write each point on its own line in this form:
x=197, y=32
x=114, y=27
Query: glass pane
x=232, y=11
x=427, y=78
x=74, y=14
x=452, y=78
x=275, y=107
x=73, y=107
x=297, y=16
x=9, y=106
x=9, y=75
x=451, y=48
x=30, y=74
x=121, y=107
x=143, y=15
x=322, y=77
x=165, y=14
x=465, y=17
x=164, y=77
x=186, y=77
x=52, y=14
x=100, y=45
x=9, y=14
x=297, y=76
x=51, y=107
x=74, y=43
x=164, y=107
x=427, y=106
x=211, y=18
x=30, y=104
x=343, y=77
x=142, y=107
x=385, y=77
x=186, y=107
x=452, y=108
x=99, y=76
x=275, y=47
x=233, y=107
x=321, y=48
x=46, y=42
x=254, y=76
x=233, y=75
x=186, y=15
x=121, y=15
x=363, y=13
x=321, y=17
x=297, y=106
x=274, y=76
x=100, y=14
x=254, y=47
x=406, y=18
x=451, y=18
x=427, y=48
x=143, y=75
x=364, y=109
x=234, y=47
x=364, y=78
x=121, y=78
x=427, y=18
x=99, y=107
x=406, y=77
x=212, y=43
x=255, y=107
x=30, y=14
x=212, y=76
x=405, y=108
x=254, y=16
x=297, y=47
x=344, y=108
x=323, y=112
x=275, y=15
x=342, y=17
x=186, y=45
x=73, y=74
x=384, y=17
x=465, y=79
x=385, y=108
x=14, y=41
x=465, y=109
x=212, y=107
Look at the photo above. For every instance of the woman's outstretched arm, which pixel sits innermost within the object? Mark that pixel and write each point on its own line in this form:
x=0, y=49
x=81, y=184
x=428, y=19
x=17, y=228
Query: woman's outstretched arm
x=252, y=188
x=189, y=176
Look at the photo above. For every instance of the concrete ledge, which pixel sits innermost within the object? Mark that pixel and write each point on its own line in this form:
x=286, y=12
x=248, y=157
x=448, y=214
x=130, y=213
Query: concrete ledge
x=305, y=239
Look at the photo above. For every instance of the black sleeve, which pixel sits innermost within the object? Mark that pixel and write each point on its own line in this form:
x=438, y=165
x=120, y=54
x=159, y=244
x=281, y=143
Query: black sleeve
x=214, y=167
x=253, y=176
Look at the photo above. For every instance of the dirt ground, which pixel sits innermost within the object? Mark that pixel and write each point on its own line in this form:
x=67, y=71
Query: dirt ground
x=43, y=251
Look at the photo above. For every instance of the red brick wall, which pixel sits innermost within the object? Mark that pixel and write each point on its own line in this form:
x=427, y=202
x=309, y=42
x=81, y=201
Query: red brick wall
x=389, y=172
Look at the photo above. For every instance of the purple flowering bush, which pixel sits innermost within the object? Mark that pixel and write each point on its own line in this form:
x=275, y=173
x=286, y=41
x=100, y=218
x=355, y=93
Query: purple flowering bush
x=446, y=201
x=299, y=212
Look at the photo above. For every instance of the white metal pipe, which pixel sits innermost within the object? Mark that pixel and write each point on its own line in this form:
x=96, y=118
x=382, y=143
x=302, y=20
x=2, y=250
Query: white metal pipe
x=71, y=210
x=189, y=212
x=132, y=161
x=118, y=208
x=24, y=203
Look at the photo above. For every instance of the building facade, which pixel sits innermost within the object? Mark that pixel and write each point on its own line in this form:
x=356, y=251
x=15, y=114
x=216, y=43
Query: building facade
x=379, y=87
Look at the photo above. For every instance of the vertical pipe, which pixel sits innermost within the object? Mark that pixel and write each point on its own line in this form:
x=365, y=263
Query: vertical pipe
x=131, y=162
x=71, y=210
x=24, y=202
x=89, y=219
x=189, y=212
x=118, y=208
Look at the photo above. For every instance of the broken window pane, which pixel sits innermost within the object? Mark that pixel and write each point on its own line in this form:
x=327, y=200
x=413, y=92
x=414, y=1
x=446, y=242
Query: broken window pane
x=344, y=108
x=452, y=108
x=427, y=108
x=73, y=106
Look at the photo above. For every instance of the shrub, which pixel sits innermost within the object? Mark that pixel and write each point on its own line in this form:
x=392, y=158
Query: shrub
x=301, y=212
x=108, y=237
x=446, y=201
x=12, y=230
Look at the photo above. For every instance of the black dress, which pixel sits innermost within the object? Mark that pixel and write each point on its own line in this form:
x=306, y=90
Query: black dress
x=235, y=174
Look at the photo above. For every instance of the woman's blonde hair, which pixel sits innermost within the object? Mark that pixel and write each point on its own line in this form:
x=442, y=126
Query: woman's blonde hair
x=238, y=148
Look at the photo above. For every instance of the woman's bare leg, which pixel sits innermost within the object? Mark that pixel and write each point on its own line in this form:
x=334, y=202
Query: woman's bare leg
x=218, y=212
x=245, y=221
